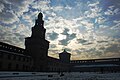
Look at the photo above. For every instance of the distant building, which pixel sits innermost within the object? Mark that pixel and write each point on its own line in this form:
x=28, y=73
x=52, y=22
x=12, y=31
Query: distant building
x=35, y=56
x=96, y=65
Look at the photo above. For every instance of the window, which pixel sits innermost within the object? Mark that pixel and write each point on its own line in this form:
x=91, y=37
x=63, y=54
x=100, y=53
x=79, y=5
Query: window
x=0, y=65
x=9, y=66
x=27, y=59
x=6, y=47
x=9, y=56
x=23, y=67
x=18, y=50
x=23, y=58
x=1, y=55
x=14, y=57
x=19, y=58
x=17, y=66
x=26, y=67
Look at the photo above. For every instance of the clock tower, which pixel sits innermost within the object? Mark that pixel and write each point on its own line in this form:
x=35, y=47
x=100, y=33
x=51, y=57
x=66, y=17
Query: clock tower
x=37, y=46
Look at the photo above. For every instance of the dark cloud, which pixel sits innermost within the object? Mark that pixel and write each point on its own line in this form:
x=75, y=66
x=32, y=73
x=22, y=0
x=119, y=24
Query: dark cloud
x=52, y=46
x=54, y=52
x=7, y=35
x=65, y=32
x=88, y=43
x=78, y=52
x=68, y=49
x=102, y=41
x=8, y=17
x=82, y=41
x=115, y=48
x=64, y=42
x=102, y=48
x=69, y=37
x=93, y=53
x=53, y=35
x=90, y=53
x=11, y=10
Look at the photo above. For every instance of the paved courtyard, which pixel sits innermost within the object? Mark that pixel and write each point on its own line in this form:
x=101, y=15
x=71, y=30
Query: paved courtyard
x=58, y=76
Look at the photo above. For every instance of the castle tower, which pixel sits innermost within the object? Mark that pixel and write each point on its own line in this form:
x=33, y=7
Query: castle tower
x=65, y=56
x=37, y=46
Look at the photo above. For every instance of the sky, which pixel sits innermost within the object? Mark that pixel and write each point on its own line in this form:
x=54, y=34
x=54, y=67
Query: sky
x=88, y=29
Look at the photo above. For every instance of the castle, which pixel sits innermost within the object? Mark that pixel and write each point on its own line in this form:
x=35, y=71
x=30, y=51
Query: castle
x=35, y=56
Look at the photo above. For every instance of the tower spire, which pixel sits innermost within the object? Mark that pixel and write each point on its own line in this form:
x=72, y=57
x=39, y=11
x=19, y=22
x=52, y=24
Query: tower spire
x=38, y=30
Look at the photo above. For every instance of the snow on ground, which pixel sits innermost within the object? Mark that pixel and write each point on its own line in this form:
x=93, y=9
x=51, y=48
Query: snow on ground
x=58, y=76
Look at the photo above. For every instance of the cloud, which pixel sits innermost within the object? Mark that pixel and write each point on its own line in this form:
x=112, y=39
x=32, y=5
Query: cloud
x=69, y=37
x=64, y=42
x=53, y=35
x=93, y=4
x=86, y=54
x=44, y=5
x=8, y=17
x=7, y=35
x=112, y=11
x=102, y=41
x=94, y=10
x=65, y=32
x=57, y=8
x=100, y=20
x=52, y=45
x=1, y=7
x=114, y=48
x=111, y=51
x=13, y=9
x=82, y=41
x=116, y=26
x=88, y=43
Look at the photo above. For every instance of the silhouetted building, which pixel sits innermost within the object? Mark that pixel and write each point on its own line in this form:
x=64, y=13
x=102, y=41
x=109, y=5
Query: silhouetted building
x=65, y=57
x=35, y=56
x=37, y=46
x=13, y=58
x=96, y=65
